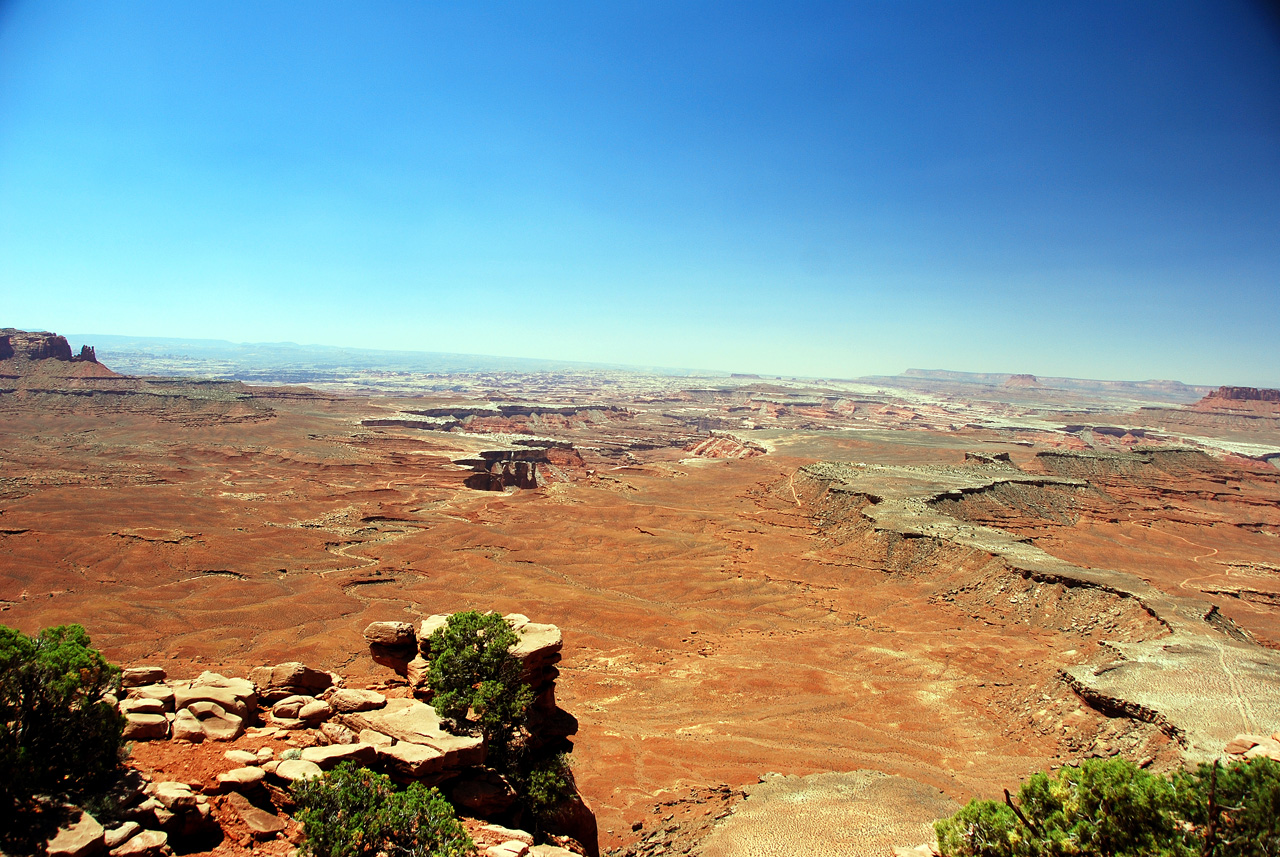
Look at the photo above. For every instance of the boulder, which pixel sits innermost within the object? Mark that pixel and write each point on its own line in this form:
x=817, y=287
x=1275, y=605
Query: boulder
x=265, y=754
x=293, y=770
x=315, y=711
x=142, y=706
x=161, y=692
x=175, y=796
x=145, y=812
x=336, y=754
x=241, y=778
x=1242, y=744
x=551, y=851
x=80, y=838
x=145, y=727
x=277, y=682
x=288, y=708
x=186, y=727
x=243, y=688
x=117, y=836
x=148, y=843
x=418, y=672
x=137, y=676
x=429, y=626
x=1268, y=748
x=574, y=818
x=217, y=723
x=338, y=734
x=417, y=723
x=348, y=700
x=391, y=634
x=262, y=824
x=241, y=757
x=225, y=697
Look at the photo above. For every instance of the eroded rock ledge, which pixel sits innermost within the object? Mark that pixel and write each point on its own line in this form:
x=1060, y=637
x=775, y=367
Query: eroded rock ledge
x=1203, y=682
x=390, y=727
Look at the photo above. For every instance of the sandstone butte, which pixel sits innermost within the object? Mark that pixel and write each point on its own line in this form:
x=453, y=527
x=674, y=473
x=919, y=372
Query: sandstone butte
x=848, y=600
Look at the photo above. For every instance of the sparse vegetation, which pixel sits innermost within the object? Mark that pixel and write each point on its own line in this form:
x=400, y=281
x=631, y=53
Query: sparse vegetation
x=474, y=674
x=547, y=784
x=57, y=734
x=354, y=812
x=1113, y=808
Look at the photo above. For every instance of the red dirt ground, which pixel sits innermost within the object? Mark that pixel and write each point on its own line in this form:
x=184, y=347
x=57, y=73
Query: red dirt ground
x=713, y=629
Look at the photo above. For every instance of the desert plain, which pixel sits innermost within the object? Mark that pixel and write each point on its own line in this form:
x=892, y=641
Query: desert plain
x=931, y=585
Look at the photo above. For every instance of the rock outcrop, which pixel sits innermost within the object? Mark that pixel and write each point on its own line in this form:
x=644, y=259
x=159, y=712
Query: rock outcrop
x=41, y=353
x=330, y=724
x=1245, y=394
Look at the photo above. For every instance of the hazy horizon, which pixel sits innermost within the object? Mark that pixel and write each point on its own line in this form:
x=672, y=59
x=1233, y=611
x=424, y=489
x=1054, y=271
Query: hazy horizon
x=115, y=341
x=823, y=190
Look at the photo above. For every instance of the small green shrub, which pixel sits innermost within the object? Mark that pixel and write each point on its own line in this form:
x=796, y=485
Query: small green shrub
x=1245, y=817
x=57, y=735
x=353, y=812
x=546, y=784
x=1111, y=808
x=473, y=672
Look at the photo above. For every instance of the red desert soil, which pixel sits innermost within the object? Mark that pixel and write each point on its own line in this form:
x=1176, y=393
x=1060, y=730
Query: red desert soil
x=717, y=625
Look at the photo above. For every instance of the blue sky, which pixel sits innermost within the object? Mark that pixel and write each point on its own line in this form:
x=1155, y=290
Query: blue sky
x=1087, y=189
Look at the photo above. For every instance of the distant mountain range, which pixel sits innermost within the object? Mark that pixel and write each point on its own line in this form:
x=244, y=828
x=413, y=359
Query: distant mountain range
x=1173, y=392
x=278, y=360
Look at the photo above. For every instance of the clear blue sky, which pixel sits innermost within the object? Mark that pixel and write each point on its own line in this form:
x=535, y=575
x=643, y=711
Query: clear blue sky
x=1087, y=189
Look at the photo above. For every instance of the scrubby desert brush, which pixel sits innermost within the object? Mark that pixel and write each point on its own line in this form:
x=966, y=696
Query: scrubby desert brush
x=1112, y=808
x=473, y=672
x=354, y=812
x=59, y=736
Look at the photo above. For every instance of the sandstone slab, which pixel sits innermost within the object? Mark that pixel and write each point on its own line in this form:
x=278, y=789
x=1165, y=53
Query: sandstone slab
x=351, y=699
x=145, y=727
x=136, y=676
x=418, y=723
x=175, y=796
x=393, y=634
x=142, y=706
x=227, y=698
x=262, y=824
x=412, y=761
x=377, y=739
x=148, y=843
x=117, y=836
x=161, y=692
x=335, y=754
x=315, y=711
x=289, y=678
x=81, y=838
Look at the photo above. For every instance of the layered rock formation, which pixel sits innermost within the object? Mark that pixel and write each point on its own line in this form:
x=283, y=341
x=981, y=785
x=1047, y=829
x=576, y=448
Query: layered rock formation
x=35, y=354
x=1245, y=394
x=328, y=724
x=1194, y=674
